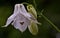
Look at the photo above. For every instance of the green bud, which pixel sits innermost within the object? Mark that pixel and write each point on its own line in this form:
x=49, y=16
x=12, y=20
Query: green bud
x=33, y=28
x=32, y=10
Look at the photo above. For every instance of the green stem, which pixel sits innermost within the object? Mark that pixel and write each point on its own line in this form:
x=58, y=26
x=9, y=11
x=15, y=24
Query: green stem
x=25, y=3
x=50, y=22
x=34, y=3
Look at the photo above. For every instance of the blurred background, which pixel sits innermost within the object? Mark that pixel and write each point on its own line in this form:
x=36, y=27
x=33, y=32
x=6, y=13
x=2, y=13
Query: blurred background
x=51, y=11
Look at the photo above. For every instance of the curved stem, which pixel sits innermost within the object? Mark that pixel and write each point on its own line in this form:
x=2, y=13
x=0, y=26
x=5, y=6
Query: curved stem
x=34, y=3
x=25, y=3
x=50, y=22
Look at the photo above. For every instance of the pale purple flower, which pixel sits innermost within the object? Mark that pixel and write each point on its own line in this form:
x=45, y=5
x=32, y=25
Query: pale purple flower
x=20, y=19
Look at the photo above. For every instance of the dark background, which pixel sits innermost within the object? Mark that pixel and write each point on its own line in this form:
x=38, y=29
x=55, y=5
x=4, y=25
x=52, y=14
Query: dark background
x=51, y=11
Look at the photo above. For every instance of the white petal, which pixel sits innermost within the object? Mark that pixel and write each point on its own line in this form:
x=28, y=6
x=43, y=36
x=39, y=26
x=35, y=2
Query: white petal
x=17, y=25
x=23, y=10
x=16, y=8
x=17, y=21
x=20, y=27
x=11, y=18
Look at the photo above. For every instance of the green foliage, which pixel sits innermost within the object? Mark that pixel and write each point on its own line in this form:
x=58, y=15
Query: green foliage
x=51, y=11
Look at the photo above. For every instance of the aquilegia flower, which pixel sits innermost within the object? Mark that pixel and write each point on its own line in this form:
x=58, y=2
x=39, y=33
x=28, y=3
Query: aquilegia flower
x=21, y=19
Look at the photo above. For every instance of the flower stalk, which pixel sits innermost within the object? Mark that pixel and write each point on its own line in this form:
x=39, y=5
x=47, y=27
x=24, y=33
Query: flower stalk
x=50, y=22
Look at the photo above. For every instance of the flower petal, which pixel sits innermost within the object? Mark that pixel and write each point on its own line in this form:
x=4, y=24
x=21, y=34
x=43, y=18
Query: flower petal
x=23, y=11
x=11, y=18
x=16, y=8
x=17, y=22
x=20, y=27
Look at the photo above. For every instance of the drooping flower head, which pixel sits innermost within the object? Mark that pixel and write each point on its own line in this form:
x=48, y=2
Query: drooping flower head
x=21, y=19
